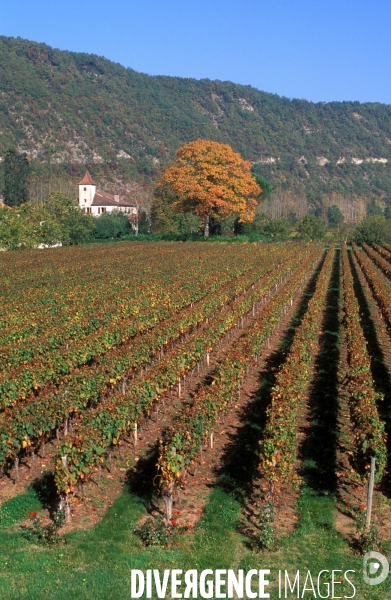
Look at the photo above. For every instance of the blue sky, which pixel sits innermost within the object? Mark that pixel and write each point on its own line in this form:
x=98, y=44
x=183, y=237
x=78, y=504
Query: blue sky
x=319, y=50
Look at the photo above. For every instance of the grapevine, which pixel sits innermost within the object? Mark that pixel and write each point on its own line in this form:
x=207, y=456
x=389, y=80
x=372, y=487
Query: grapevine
x=32, y=420
x=379, y=286
x=102, y=427
x=182, y=441
x=368, y=430
x=280, y=443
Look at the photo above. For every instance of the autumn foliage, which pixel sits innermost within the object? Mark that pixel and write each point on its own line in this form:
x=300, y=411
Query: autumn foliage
x=209, y=179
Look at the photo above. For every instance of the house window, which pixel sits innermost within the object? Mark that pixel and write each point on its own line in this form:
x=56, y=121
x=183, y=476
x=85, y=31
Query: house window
x=85, y=189
x=103, y=209
x=98, y=210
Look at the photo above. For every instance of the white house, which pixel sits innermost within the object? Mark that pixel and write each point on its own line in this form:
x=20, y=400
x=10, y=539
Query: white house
x=96, y=202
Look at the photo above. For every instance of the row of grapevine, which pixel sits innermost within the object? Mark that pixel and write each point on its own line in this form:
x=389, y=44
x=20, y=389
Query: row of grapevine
x=130, y=319
x=84, y=312
x=181, y=442
x=368, y=430
x=94, y=314
x=128, y=272
x=31, y=421
x=82, y=266
x=46, y=291
x=101, y=428
x=387, y=247
x=383, y=251
x=379, y=286
x=279, y=446
x=384, y=265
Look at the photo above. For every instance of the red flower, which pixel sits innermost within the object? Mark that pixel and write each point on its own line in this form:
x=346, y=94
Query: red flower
x=347, y=504
x=32, y=513
x=173, y=522
x=178, y=512
x=361, y=507
x=190, y=526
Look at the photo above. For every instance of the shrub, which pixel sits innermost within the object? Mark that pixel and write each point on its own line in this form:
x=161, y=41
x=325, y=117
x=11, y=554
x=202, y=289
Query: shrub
x=375, y=228
x=45, y=535
x=154, y=533
x=111, y=225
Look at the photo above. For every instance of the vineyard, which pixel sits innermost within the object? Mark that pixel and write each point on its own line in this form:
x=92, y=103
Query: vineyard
x=165, y=371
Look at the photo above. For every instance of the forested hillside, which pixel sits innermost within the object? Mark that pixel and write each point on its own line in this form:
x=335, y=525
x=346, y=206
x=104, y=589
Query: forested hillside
x=68, y=110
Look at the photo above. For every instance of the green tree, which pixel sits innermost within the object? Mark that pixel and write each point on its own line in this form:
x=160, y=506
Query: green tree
x=163, y=216
x=373, y=229
x=111, y=225
x=335, y=216
x=292, y=217
x=264, y=184
x=373, y=209
x=225, y=227
x=77, y=226
x=277, y=230
x=265, y=228
x=16, y=176
x=16, y=232
x=58, y=220
x=310, y=228
x=144, y=225
x=254, y=228
x=166, y=219
x=45, y=228
x=387, y=212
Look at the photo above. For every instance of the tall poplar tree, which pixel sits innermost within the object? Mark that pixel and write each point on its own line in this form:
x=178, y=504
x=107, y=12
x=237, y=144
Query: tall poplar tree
x=16, y=176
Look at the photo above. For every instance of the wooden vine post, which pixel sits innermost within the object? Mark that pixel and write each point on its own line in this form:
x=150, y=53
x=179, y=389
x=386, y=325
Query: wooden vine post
x=370, y=492
x=16, y=465
x=64, y=501
x=168, y=496
x=135, y=434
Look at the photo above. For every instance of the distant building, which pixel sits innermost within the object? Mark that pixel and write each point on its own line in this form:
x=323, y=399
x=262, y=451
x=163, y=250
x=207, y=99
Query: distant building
x=96, y=202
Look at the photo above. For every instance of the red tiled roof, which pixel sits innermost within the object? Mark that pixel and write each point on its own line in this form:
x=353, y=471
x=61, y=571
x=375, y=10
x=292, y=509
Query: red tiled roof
x=87, y=180
x=104, y=199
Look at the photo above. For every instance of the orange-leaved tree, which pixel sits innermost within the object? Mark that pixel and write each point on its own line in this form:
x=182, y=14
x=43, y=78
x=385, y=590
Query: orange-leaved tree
x=209, y=179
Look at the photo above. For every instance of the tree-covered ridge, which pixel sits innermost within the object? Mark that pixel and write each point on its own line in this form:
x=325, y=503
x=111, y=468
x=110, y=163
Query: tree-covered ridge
x=69, y=109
